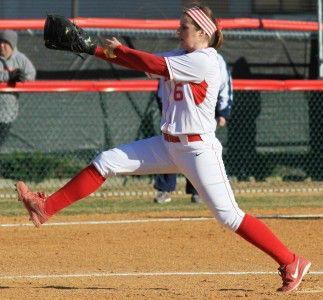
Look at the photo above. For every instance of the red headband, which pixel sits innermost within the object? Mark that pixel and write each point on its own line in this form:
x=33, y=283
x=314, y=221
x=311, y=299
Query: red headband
x=202, y=20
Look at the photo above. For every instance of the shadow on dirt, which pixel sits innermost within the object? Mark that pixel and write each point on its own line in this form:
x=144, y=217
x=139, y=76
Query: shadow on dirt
x=234, y=290
x=60, y=287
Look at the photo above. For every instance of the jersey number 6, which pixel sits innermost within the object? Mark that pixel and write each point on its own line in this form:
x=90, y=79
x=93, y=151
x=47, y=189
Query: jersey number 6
x=178, y=92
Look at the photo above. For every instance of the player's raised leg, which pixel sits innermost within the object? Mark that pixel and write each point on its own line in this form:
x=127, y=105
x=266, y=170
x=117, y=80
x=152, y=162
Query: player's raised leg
x=137, y=158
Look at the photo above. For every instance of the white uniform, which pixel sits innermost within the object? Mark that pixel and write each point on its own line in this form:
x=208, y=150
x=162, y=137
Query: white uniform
x=189, y=99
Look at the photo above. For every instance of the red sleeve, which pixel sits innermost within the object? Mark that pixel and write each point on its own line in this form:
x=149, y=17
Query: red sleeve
x=136, y=60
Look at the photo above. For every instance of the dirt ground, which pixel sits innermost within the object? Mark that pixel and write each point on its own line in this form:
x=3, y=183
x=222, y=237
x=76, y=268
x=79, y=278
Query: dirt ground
x=169, y=259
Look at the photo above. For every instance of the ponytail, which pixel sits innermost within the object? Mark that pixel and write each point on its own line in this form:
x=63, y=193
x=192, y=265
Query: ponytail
x=218, y=39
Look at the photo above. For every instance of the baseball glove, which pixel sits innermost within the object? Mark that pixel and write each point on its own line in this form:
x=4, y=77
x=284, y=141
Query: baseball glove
x=61, y=34
x=17, y=75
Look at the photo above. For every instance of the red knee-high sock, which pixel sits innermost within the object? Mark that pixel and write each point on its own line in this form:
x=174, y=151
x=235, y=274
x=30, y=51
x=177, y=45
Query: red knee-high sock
x=82, y=185
x=258, y=234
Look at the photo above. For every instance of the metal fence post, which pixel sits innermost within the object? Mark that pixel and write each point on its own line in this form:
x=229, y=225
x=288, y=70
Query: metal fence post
x=74, y=8
x=320, y=37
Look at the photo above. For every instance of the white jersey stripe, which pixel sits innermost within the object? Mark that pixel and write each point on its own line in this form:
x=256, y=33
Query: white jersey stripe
x=169, y=69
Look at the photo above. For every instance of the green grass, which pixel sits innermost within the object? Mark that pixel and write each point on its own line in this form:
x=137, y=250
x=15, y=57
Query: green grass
x=281, y=201
x=106, y=206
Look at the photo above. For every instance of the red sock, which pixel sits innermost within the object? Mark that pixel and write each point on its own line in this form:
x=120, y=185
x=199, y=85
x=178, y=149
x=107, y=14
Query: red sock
x=258, y=234
x=82, y=185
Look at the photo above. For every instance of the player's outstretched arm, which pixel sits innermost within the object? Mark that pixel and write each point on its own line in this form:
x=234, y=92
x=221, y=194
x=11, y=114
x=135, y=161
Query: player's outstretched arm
x=114, y=51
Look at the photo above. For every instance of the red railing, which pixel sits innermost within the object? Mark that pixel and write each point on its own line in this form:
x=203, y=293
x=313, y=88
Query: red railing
x=151, y=85
x=171, y=24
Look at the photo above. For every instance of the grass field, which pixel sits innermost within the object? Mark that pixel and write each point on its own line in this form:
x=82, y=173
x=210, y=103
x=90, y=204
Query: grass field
x=309, y=202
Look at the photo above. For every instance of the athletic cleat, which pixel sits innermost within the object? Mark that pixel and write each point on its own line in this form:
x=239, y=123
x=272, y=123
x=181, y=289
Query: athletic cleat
x=162, y=197
x=293, y=274
x=33, y=202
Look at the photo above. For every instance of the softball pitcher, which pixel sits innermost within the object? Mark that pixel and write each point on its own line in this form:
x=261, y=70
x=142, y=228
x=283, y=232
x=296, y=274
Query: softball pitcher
x=187, y=145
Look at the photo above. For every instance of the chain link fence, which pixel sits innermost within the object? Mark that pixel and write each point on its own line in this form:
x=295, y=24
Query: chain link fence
x=250, y=54
x=159, y=9
x=271, y=137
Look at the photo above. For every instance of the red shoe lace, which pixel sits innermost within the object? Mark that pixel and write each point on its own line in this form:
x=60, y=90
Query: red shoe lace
x=284, y=275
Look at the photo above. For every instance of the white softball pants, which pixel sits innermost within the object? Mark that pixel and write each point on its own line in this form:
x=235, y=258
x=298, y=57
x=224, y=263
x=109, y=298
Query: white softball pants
x=201, y=162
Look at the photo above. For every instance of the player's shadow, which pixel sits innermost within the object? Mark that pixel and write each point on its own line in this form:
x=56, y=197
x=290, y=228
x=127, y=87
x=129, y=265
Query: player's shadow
x=62, y=287
x=234, y=290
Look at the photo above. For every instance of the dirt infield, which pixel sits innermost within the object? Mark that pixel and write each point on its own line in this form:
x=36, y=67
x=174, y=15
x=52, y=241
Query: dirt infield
x=156, y=259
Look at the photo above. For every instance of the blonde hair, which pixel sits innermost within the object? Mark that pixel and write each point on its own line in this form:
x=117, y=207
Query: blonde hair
x=217, y=38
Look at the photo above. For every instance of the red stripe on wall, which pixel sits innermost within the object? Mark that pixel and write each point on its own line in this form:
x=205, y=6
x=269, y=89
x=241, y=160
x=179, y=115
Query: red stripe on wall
x=171, y=24
x=61, y=86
